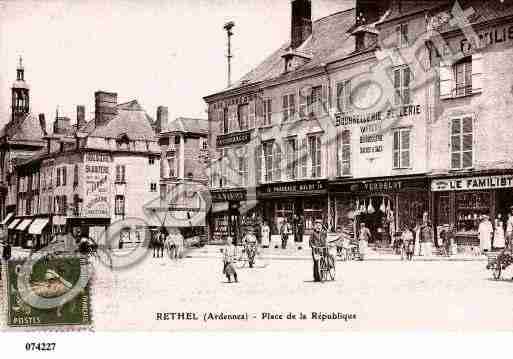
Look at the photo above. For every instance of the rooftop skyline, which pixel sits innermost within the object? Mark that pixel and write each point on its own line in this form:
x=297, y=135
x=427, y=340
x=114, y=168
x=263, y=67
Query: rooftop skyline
x=169, y=53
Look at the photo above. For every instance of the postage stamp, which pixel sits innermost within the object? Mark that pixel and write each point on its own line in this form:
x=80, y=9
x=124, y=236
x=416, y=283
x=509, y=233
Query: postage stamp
x=48, y=292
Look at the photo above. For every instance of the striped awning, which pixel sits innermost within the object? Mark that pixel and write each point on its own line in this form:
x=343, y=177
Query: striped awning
x=7, y=218
x=14, y=223
x=38, y=225
x=24, y=224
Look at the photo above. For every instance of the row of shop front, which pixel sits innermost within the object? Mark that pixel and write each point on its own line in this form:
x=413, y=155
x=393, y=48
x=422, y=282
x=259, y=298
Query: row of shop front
x=385, y=205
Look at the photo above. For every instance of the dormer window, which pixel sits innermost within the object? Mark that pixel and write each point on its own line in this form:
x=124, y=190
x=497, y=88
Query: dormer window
x=123, y=142
x=360, y=41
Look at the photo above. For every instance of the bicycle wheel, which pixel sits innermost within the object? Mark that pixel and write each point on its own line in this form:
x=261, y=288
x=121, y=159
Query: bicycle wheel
x=323, y=269
x=332, y=270
x=496, y=271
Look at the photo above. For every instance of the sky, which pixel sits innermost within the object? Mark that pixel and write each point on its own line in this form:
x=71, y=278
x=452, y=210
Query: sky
x=160, y=52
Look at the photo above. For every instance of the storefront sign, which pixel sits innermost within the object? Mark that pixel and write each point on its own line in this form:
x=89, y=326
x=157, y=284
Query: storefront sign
x=294, y=187
x=223, y=196
x=97, y=185
x=488, y=38
x=344, y=119
x=472, y=183
x=239, y=100
x=233, y=138
x=380, y=186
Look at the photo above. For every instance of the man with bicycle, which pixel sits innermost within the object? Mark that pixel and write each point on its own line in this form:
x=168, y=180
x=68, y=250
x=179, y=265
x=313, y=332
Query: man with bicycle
x=250, y=246
x=317, y=243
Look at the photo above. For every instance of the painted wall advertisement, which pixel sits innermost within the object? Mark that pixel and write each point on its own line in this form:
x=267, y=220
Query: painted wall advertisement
x=97, y=185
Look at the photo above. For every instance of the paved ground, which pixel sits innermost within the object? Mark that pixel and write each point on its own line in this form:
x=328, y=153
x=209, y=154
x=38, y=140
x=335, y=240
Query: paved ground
x=383, y=295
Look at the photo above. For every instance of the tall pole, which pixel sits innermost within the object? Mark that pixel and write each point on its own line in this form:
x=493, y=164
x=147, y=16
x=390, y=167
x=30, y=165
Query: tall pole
x=228, y=27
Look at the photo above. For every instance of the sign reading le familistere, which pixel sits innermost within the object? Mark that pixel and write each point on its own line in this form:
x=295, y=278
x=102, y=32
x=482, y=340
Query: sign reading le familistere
x=472, y=183
x=233, y=138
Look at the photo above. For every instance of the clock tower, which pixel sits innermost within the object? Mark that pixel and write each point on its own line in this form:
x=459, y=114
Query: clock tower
x=20, y=94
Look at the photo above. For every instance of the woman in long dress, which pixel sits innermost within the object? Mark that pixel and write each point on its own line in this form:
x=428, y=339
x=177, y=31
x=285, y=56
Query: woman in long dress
x=485, y=234
x=416, y=248
x=498, y=237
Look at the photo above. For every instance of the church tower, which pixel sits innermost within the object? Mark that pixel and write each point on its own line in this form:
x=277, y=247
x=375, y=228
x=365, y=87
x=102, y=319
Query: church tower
x=20, y=94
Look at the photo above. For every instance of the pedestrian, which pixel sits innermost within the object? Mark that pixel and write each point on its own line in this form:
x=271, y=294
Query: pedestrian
x=285, y=231
x=317, y=243
x=416, y=239
x=509, y=229
x=498, y=235
x=406, y=238
x=266, y=235
x=411, y=249
x=300, y=229
x=363, y=240
x=6, y=252
x=229, y=254
x=485, y=231
x=426, y=238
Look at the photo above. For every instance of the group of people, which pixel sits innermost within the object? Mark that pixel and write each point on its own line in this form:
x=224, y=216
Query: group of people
x=170, y=240
x=497, y=235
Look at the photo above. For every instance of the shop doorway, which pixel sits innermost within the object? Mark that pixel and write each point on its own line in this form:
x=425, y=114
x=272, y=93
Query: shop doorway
x=504, y=201
x=376, y=213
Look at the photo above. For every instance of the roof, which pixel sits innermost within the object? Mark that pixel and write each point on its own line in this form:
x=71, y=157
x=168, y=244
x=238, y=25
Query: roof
x=329, y=35
x=131, y=120
x=410, y=7
x=27, y=128
x=188, y=125
x=483, y=11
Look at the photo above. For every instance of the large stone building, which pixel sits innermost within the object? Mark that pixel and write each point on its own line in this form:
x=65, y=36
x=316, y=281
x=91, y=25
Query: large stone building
x=388, y=114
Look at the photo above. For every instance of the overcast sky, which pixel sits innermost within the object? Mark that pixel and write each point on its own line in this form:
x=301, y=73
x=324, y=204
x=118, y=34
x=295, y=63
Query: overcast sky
x=160, y=52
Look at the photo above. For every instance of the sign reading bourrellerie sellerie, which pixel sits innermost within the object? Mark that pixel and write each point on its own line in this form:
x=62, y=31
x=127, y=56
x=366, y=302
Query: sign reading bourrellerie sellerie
x=228, y=195
x=233, y=139
x=472, y=183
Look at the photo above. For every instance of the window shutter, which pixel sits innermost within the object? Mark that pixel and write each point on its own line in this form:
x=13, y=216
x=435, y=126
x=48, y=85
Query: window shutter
x=277, y=161
x=259, y=112
x=252, y=114
x=477, y=72
x=446, y=81
x=258, y=164
x=303, y=109
x=324, y=100
x=218, y=116
x=232, y=118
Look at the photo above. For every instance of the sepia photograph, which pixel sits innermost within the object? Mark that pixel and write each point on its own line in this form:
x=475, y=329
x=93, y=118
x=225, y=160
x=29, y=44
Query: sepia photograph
x=255, y=166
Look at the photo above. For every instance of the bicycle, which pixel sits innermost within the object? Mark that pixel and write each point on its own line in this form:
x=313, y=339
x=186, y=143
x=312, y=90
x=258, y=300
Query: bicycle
x=249, y=254
x=326, y=268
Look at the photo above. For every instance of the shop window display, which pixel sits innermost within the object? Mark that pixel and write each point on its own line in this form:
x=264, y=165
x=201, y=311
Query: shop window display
x=469, y=209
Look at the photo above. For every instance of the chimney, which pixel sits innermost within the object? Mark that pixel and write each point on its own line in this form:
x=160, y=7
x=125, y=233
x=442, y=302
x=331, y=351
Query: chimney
x=80, y=116
x=301, y=22
x=162, y=117
x=370, y=11
x=61, y=126
x=105, y=107
x=42, y=123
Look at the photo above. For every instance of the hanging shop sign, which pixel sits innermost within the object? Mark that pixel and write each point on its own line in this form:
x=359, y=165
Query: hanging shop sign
x=382, y=186
x=472, y=183
x=228, y=195
x=96, y=203
x=349, y=119
x=294, y=188
x=233, y=139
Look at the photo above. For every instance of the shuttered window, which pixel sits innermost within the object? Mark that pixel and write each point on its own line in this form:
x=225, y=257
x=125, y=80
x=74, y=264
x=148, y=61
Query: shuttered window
x=243, y=117
x=289, y=107
x=344, y=153
x=463, y=76
x=268, y=110
x=343, y=96
x=314, y=147
x=268, y=161
x=462, y=139
x=402, y=35
x=402, y=149
x=292, y=161
x=402, y=78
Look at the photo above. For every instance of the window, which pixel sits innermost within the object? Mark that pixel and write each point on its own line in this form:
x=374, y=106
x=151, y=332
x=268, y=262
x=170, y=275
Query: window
x=268, y=110
x=153, y=187
x=75, y=176
x=226, y=125
x=151, y=160
x=64, y=175
x=402, y=148
x=344, y=153
x=402, y=78
x=243, y=116
x=461, y=143
x=402, y=35
x=268, y=161
x=304, y=158
x=289, y=107
x=463, y=76
x=314, y=101
x=120, y=173
x=292, y=161
x=243, y=169
x=119, y=207
x=204, y=145
x=343, y=95
x=314, y=145
x=58, y=183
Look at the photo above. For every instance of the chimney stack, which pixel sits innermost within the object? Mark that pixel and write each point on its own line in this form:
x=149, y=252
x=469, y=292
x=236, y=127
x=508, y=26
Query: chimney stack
x=80, y=116
x=105, y=107
x=61, y=126
x=42, y=123
x=162, y=118
x=301, y=22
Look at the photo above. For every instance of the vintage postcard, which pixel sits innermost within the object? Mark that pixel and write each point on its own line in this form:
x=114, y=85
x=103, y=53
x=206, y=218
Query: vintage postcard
x=256, y=165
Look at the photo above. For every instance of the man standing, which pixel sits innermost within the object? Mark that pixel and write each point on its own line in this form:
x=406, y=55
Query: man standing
x=426, y=238
x=285, y=230
x=229, y=253
x=266, y=235
x=317, y=242
x=363, y=240
x=509, y=229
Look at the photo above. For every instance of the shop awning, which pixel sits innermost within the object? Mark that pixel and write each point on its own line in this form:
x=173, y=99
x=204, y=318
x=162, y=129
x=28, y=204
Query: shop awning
x=7, y=218
x=23, y=224
x=38, y=225
x=14, y=223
